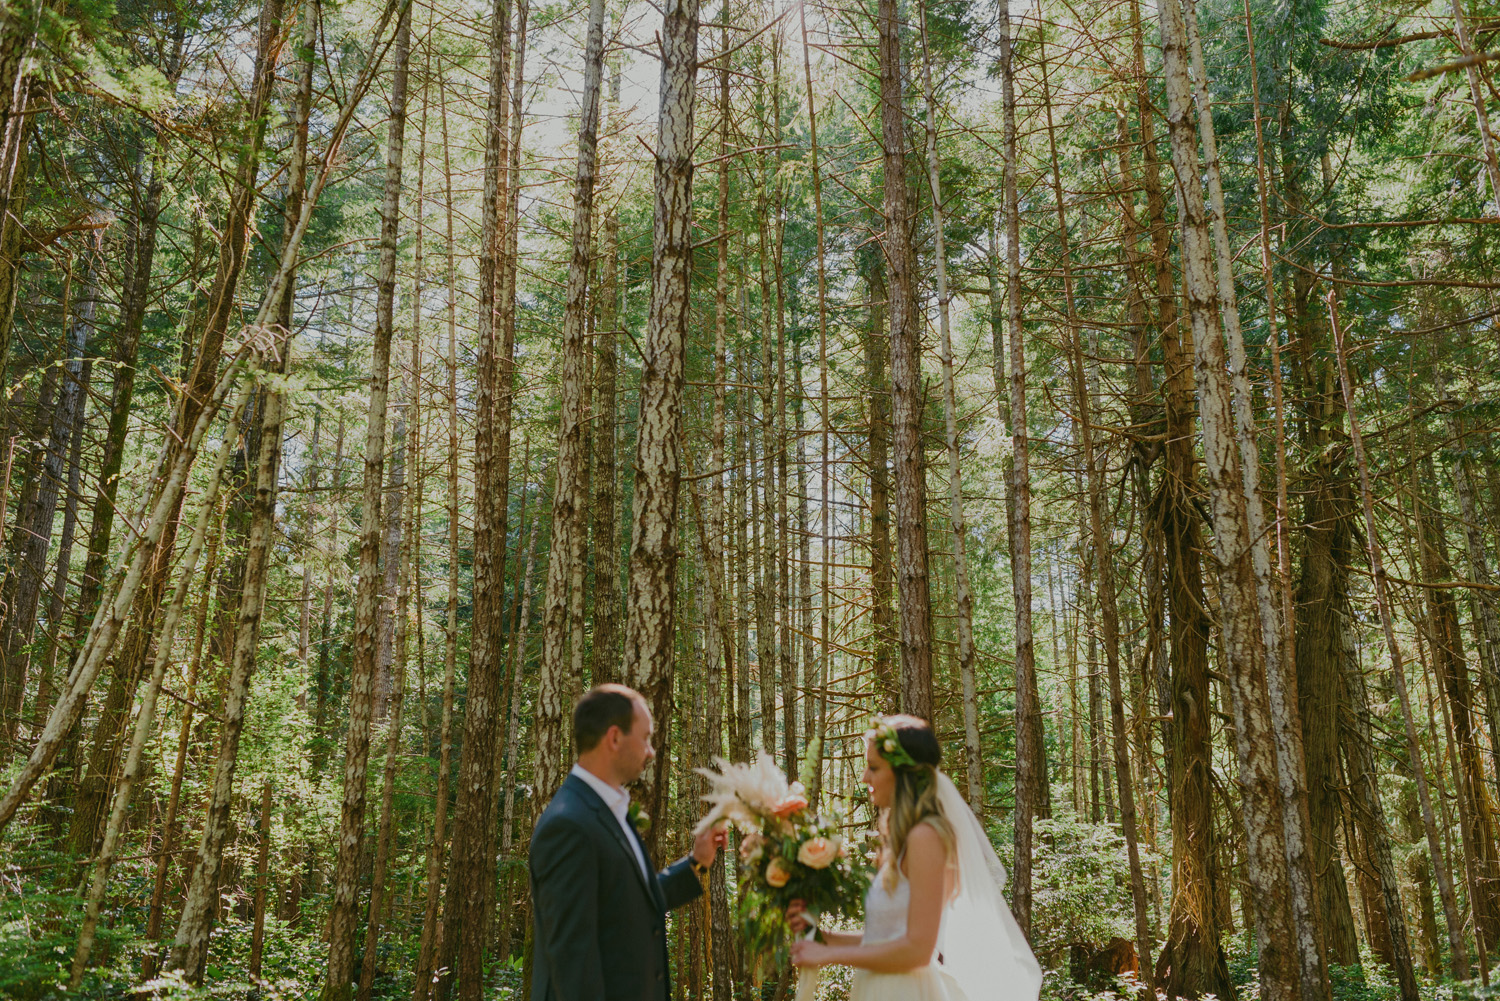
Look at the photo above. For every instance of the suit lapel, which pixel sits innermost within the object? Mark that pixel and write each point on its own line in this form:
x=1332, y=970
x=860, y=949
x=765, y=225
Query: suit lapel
x=655, y=887
x=607, y=820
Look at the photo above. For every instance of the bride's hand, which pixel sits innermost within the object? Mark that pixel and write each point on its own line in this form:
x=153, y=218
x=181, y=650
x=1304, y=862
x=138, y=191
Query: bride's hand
x=796, y=917
x=806, y=952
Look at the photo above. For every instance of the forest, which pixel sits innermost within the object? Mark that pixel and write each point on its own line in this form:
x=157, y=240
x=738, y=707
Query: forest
x=1114, y=384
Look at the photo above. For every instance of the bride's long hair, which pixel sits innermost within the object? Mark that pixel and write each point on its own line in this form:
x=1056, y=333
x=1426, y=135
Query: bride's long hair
x=916, y=795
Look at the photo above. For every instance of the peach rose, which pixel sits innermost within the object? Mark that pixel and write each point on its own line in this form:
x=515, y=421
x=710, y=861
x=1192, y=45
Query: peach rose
x=778, y=873
x=819, y=853
x=794, y=801
x=750, y=846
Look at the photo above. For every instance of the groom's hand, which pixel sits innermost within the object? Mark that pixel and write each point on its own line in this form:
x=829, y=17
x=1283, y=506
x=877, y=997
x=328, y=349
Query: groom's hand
x=707, y=844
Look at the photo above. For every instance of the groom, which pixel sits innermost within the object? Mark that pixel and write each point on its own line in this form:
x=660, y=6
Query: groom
x=600, y=906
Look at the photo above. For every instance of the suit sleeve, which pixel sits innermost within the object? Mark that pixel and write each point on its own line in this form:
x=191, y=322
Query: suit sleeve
x=565, y=876
x=679, y=883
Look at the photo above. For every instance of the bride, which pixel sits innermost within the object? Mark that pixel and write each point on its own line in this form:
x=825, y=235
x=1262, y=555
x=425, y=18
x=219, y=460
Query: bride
x=936, y=926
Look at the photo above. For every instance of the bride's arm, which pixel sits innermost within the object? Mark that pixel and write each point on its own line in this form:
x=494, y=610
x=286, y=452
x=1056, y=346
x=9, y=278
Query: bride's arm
x=926, y=868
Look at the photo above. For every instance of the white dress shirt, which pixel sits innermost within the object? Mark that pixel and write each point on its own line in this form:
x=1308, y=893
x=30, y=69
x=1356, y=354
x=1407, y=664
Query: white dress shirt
x=618, y=802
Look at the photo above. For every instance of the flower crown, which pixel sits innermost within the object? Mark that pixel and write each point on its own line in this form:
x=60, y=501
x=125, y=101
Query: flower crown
x=888, y=744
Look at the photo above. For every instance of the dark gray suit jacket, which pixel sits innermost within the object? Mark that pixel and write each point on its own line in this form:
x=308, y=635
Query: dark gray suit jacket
x=600, y=926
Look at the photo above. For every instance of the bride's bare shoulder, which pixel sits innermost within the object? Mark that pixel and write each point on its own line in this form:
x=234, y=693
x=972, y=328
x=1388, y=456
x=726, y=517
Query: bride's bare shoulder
x=924, y=841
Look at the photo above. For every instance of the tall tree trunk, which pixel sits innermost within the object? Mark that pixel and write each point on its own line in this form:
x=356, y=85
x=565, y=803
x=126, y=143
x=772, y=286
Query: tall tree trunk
x=343, y=915
x=569, y=503
x=508, y=734
x=1239, y=608
x=720, y=648
x=1321, y=655
x=1085, y=384
x=1486, y=620
x=1192, y=962
x=1031, y=775
x=518, y=668
x=882, y=579
x=56, y=639
x=1281, y=679
x=605, y=505
x=465, y=918
x=963, y=595
x=649, y=632
x=912, y=585
x=427, y=944
x=398, y=501
x=190, y=946
x=768, y=567
x=1452, y=673
x=262, y=870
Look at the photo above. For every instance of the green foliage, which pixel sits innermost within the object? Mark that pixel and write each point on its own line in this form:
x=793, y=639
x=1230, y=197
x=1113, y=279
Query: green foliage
x=1081, y=885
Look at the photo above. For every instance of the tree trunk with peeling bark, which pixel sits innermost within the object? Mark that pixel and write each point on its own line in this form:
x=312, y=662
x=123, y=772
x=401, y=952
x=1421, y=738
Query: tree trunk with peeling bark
x=1239, y=607
x=651, y=593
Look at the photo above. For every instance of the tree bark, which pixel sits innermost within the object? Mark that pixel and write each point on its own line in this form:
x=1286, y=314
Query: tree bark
x=134, y=765
x=262, y=870
x=1240, y=624
x=190, y=946
x=423, y=975
x=910, y=479
x=398, y=500
x=338, y=983
x=1192, y=962
x=963, y=595
x=605, y=507
x=649, y=632
x=1031, y=775
x=569, y=502
x=1321, y=606
x=882, y=580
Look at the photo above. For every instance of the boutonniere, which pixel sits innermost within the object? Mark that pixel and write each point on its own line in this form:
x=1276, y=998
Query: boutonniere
x=639, y=818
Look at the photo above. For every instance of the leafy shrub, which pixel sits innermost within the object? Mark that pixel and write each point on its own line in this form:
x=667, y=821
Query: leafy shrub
x=1080, y=886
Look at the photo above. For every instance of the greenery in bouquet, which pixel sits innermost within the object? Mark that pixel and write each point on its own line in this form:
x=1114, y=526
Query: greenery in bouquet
x=787, y=852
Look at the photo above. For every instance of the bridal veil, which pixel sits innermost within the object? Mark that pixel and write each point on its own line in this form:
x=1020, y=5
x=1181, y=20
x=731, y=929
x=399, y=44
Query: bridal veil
x=983, y=948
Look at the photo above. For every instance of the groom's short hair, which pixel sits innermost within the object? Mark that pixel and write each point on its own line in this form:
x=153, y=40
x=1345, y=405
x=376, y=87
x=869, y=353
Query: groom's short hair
x=602, y=707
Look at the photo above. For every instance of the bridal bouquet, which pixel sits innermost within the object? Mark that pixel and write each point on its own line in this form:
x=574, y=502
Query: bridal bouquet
x=787, y=851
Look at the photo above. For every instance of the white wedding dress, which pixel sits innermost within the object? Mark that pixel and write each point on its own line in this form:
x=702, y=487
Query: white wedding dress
x=981, y=954
x=885, y=921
